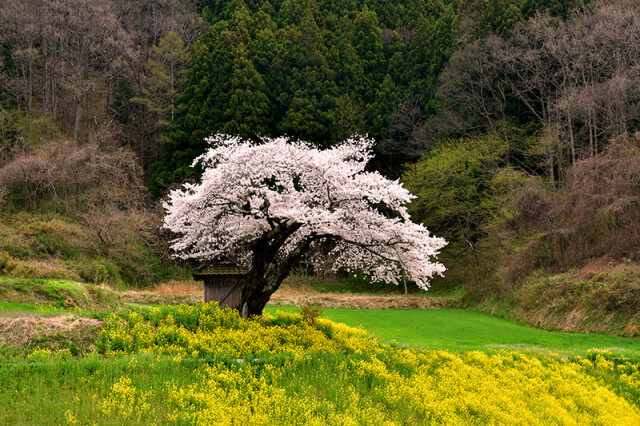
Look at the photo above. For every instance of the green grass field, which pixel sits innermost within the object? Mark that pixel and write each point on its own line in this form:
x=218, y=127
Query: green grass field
x=201, y=365
x=197, y=364
x=461, y=330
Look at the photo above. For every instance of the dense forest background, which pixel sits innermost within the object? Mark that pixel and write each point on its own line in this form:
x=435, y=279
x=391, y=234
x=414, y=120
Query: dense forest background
x=513, y=121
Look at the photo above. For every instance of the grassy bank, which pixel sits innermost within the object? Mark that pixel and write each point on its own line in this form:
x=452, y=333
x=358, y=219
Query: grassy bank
x=45, y=245
x=601, y=297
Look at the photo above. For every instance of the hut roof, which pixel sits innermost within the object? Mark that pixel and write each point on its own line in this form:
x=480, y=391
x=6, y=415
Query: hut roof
x=221, y=269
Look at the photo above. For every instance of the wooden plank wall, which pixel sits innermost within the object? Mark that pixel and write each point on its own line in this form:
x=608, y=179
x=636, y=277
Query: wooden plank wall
x=217, y=287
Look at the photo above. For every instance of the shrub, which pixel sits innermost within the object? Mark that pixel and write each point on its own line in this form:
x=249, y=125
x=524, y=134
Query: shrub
x=6, y=263
x=310, y=314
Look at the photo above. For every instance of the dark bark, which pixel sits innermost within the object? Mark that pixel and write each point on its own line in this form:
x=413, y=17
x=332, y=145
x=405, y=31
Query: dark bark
x=255, y=296
x=269, y=269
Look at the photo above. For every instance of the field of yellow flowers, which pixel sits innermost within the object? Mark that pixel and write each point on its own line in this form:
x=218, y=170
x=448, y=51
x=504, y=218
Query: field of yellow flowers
x=203, y=365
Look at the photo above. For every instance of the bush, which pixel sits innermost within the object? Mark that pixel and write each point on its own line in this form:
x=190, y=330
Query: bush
x=460, y=188
x=6, y=263
x=454, y=187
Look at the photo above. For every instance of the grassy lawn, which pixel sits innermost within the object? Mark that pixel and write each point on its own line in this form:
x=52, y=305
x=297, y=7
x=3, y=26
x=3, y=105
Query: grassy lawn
x=461, y=330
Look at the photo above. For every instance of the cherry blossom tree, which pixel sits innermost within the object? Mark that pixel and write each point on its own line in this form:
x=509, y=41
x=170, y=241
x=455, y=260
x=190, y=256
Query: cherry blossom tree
x=267, y=206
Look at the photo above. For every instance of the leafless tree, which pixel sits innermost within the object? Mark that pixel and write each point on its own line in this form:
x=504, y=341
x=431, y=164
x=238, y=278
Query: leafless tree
x=578, y=77
x=470, y=95
x=67, y=55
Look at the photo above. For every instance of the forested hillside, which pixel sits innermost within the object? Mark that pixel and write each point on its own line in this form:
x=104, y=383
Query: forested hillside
x=512, y=121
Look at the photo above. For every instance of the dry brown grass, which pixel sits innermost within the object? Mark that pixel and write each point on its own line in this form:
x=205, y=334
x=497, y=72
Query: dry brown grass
x=352, y=301
x=170, y=292
x=194, y=288
x=43, y=268
x=24, y=331
x=604, y=265
x=192, y=292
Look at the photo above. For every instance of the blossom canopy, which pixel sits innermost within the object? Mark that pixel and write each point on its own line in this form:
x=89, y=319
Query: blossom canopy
x=265, y=206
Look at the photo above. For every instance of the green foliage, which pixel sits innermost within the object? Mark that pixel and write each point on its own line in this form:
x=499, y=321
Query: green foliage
x=457, y=187
x=163, y=81
x=20, y=132
x=462, y=188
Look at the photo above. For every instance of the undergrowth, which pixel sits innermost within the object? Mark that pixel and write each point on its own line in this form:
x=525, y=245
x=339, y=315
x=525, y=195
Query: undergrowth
x=46, y=245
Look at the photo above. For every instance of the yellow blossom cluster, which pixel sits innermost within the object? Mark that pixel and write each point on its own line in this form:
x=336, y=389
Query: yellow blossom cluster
x=215, y=332
x=435, y=387
x=125, y=401
x=284, y=370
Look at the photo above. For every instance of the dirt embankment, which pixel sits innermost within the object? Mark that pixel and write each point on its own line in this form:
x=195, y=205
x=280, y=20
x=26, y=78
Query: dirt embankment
x=53, y=332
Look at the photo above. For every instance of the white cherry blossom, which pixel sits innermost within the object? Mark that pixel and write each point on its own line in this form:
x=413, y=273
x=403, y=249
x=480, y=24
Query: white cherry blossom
x=266, y=205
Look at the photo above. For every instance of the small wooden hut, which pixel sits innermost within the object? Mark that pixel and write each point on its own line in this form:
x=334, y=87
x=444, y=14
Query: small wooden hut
x=222, y=284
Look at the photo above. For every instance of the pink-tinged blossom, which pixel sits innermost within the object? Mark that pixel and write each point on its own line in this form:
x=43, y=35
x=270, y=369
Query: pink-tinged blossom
x=250, y=191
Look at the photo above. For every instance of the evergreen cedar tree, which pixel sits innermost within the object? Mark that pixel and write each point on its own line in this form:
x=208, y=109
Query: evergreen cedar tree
x=322, y=71
x=267, y=206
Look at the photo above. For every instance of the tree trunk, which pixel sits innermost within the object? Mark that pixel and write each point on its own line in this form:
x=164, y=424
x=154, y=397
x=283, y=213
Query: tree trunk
x=76, y=127
x=267, y=271
x=572, y=144
x=255, y=298
x=257, y=288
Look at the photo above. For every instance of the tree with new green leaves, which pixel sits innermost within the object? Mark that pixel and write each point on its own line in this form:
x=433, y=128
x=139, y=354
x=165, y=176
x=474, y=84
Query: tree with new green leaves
x=163, y=81
x=454, y=186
